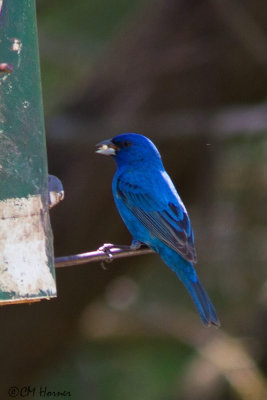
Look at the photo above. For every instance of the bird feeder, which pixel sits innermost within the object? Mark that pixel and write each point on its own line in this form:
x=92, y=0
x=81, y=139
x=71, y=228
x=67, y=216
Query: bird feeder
x=26, y=247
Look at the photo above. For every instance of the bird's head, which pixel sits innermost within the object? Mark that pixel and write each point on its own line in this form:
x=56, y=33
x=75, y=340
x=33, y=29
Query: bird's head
x=130, y=148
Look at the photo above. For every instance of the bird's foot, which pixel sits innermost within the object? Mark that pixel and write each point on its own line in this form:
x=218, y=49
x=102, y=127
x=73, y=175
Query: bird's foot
x=136, y=244
x=106, y=248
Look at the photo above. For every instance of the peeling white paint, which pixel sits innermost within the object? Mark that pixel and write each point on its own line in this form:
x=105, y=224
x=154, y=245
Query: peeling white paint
x=24, y=266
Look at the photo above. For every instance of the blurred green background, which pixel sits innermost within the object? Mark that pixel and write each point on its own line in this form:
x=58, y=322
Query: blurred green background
x=191, y=75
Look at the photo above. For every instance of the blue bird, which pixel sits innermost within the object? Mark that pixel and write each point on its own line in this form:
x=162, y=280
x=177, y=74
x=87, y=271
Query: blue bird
x=154, y=213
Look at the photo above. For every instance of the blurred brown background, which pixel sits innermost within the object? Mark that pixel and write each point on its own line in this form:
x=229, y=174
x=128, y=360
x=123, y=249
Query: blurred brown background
x=191, y=75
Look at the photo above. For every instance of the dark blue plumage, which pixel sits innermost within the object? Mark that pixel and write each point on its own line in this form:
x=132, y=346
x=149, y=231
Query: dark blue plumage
x=154, y=213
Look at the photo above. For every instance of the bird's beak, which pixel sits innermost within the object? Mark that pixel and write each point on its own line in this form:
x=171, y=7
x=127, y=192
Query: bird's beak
x=107, y=148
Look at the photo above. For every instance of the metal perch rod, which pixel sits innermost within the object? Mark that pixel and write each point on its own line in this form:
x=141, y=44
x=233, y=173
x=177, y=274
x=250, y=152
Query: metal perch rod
x=106, y=253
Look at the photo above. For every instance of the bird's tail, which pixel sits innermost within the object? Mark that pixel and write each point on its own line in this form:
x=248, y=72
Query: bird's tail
x=187, y=274
x=202, y=301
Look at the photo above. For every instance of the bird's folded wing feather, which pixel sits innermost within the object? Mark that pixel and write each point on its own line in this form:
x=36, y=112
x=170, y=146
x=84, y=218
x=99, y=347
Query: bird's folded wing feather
x=166, y=220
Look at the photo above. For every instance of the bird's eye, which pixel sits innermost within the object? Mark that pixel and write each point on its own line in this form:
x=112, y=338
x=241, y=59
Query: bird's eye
x=125, y=143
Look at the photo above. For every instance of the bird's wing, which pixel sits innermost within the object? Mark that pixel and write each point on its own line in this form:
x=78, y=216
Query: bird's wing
x=167, y=220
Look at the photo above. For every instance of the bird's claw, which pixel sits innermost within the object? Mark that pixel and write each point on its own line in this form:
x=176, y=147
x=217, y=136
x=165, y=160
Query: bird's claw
x=106, y=248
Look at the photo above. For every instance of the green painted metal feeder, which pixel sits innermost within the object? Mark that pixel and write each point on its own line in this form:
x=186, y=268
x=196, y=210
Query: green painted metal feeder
x=26, y=246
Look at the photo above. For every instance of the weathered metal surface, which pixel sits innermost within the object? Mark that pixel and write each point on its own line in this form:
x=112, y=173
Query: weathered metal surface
x=26, y=251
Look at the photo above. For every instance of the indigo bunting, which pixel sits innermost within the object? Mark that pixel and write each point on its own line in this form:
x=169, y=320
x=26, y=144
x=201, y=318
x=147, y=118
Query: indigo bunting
x=154, y=212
